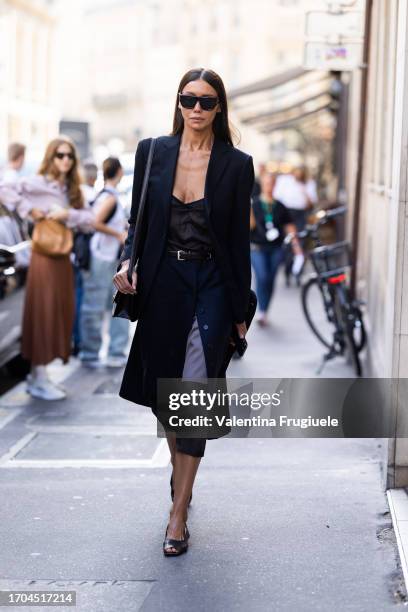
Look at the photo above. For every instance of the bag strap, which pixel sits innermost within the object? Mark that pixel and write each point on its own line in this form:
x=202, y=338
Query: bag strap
x=114, y=209
x=112, y=212
x=138, y=225
x=100, y=192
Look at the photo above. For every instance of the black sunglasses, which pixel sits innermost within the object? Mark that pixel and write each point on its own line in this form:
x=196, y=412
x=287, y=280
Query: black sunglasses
x=206, y=102
x=70, y=156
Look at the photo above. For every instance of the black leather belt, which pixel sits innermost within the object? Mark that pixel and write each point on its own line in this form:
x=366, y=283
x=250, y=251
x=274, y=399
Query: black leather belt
x=190, y=255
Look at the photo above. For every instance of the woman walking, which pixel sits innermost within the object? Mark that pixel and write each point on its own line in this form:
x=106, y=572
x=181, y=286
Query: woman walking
x=54, y=193
x=194, y=273
x=270, y=221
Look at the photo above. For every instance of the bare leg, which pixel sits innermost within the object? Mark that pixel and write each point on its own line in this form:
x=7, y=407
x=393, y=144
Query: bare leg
x=171, y=441
x=185, y=465
x=185, y=470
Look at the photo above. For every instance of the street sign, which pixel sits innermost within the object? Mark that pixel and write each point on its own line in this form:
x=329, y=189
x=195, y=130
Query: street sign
x=328, y=56
x=344, y=25
x=342, y=3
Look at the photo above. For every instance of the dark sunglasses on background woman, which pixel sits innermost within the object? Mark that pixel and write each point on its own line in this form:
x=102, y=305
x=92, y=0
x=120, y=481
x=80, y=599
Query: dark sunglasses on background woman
x=70, y=156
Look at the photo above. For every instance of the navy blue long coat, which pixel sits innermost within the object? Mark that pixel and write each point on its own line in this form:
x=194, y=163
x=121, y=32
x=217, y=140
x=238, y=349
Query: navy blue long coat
x=228, y=186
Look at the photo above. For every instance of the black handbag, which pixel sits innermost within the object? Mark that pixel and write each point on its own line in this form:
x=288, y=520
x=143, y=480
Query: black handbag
x=127, y=305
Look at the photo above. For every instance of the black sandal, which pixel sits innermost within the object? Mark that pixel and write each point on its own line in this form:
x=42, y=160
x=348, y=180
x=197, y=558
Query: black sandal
x=180, y=546
x=172, y=490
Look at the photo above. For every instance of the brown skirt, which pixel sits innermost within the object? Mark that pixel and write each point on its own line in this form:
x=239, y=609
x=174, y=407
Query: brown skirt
x=49, y=309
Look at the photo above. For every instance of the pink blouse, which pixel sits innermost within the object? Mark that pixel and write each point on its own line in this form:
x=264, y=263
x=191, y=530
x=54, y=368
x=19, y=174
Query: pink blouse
x=39, y=192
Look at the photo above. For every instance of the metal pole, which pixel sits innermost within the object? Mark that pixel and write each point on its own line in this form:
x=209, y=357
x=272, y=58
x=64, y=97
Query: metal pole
x=361, y=142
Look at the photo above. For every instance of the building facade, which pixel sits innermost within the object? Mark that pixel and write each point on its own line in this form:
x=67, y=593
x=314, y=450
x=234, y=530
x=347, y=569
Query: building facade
x=383, y=215
x=28, y=101
x=129, y=57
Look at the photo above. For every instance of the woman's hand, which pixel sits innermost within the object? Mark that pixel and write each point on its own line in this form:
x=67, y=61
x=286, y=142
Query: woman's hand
x=121, y=236
x=59, y=214
x=121, y=282
x=242, y=329
x=37, y=214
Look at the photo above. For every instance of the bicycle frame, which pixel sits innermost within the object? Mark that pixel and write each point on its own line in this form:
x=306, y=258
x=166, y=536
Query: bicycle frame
x=341, y=311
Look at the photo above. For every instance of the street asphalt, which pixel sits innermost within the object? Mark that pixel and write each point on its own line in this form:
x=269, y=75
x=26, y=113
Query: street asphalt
x=284, y=524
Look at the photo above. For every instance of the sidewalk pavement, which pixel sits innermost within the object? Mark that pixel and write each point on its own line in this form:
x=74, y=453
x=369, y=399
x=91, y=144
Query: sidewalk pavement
x=279, y=525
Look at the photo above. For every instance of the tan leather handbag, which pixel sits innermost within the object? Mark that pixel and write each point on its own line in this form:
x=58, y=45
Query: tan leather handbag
x=52, y=238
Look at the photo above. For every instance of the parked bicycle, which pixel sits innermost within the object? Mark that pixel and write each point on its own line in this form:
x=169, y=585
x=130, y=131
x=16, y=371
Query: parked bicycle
x=333, y=315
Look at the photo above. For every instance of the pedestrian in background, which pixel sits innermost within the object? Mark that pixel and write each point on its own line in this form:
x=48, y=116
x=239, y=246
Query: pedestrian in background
x=270, y=221
x=299, y=194
x=90, y=174
x=257, y=183
x=54, y=193
x=110, y=223
x=14, y=229
x=15, y=162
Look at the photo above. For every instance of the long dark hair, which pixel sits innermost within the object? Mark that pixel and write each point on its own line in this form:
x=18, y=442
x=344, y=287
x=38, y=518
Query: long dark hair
x=221, y=126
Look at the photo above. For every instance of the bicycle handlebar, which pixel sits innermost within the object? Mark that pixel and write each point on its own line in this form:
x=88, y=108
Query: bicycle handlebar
x=323, y=216
x=331, y=212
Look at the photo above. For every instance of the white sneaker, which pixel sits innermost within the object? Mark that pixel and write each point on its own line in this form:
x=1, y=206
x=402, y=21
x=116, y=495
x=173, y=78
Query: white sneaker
x=30, y=381
x=44, y=389
x=116, y=362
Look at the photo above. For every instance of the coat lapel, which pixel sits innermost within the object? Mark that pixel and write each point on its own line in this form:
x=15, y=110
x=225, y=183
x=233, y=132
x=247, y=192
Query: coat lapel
x=218, y=161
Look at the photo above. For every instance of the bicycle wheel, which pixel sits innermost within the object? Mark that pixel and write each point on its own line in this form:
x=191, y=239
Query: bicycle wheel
x=314, y=308
x=359, y=331
x=355, y=316
x=345, y=317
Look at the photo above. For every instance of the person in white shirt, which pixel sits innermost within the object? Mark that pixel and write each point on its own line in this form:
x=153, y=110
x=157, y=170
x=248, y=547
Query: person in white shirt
x=97, y=282
x=16, y=156
x=299, y=194
x=90, y=174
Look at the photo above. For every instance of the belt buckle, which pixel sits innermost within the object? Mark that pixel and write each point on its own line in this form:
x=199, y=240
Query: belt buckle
x=178, y=256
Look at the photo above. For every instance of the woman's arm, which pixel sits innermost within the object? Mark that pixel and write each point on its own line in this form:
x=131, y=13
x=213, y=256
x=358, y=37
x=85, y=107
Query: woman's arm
x=33, y=196
x=82, y=219
x=19, y=196
x=103, y=212
x=252, y=220
x=239, y=243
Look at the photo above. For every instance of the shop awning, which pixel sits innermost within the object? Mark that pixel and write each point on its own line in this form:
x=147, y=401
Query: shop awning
x=282, y=100
x=268, y=83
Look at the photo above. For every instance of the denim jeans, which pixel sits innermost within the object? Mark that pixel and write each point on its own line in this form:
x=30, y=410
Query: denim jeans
x=299, y=218
x=265, y=264
x=98, y=291
x=76, y=334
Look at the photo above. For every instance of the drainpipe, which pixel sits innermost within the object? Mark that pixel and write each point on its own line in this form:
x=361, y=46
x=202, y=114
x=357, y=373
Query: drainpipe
x=361, y=142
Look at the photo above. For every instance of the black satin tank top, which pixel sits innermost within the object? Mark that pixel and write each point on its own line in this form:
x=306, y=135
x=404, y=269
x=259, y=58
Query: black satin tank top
x=188, y=229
